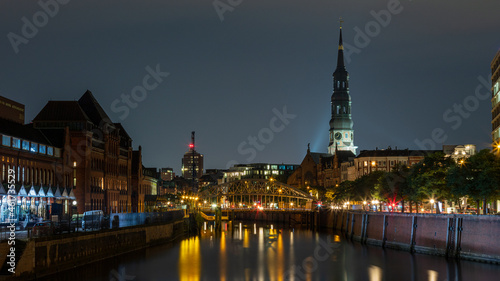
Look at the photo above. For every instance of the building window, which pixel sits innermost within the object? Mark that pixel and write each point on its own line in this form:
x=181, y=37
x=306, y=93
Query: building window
x=16, y=143
x=26, y=145
x=50, y=150
x=6, y=140
x=42, y=149
x=34, y=147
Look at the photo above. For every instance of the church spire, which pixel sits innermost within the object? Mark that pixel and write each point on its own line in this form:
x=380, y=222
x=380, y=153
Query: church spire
x=341, y=125
x=340, y=57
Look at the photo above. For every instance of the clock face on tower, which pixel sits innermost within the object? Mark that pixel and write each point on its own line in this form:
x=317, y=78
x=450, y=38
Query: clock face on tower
x=338, y=135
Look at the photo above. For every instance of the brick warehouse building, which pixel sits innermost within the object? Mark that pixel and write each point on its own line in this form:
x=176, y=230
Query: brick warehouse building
x=42, y=166
x=101, y=153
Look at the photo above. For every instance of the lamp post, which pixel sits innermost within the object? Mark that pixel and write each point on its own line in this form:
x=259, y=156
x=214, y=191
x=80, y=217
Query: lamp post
x=364, y=205
x=71, y=216
x=432, y=206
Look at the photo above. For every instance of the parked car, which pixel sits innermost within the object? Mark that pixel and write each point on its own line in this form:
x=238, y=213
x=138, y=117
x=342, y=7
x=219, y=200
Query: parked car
x=76, y=221
x=63, y=226
x=44, y=228
x=92, y=219
x=105, y=223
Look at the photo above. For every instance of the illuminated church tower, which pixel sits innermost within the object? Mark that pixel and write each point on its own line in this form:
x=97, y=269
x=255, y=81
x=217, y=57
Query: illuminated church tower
x=341, y=132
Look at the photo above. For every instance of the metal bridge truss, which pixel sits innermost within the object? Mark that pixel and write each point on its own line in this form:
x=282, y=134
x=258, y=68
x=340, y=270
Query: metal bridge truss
x=267, y=193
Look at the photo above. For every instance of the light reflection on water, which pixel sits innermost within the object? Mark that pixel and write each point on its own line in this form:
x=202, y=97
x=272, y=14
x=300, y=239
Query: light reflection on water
x=248, y=251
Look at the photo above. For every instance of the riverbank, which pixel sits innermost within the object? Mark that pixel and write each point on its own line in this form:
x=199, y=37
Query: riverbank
x=49, y=255
x=457, y=236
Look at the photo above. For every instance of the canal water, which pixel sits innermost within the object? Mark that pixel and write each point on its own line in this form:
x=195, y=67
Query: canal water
x=248, y=251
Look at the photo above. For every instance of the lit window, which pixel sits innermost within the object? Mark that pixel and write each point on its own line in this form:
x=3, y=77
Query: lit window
x=26, y=145
x=6, y=140
x=50, y=150
x=34, y=147
x=41, y=149
x=16, y=143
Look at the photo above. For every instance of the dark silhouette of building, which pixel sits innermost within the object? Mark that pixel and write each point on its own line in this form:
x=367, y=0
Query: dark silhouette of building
x=101, y=152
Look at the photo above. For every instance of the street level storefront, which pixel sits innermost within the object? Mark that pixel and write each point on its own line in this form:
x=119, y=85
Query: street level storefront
x=35, y=203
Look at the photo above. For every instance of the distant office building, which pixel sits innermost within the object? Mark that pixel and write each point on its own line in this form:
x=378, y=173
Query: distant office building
x=278, y=172
x=167, y=174
x=190, y=157
x=150, y=181
x=495, y=100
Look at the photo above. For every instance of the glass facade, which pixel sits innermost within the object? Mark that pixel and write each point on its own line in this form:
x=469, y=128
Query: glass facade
x=6, y=140
x=16, y=143
x=26, y=145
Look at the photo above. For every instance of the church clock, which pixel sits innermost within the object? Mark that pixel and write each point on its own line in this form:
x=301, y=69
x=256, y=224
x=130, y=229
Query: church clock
x=338, y=135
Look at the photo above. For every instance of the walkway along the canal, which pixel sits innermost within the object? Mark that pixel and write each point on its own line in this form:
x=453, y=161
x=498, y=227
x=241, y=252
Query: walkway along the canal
x=47, y=255
x=458, y=236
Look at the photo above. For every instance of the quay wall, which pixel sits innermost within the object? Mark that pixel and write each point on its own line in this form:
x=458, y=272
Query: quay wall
x=460, y=236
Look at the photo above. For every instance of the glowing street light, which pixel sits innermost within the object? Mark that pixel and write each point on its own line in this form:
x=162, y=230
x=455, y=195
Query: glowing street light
x=432, y=206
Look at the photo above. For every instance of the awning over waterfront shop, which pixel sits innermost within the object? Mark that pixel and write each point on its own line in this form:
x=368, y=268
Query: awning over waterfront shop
x=32, y=192
x=57, y=194
x=40, y=191
x=64, y=193
x=71, y=194
x=48, y=191
x=21, y=191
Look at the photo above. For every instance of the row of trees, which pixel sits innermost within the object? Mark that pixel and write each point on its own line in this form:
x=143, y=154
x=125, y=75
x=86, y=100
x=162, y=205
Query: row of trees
x=435, y=177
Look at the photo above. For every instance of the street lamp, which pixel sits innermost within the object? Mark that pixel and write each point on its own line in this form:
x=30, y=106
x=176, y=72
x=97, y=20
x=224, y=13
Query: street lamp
x=432, y=206
x=364, y=205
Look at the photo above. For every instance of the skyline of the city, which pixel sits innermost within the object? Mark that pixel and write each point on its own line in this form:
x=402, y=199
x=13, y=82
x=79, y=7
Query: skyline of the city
x=228, y=79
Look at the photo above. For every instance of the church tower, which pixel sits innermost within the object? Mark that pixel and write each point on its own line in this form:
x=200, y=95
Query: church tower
x=341, y=132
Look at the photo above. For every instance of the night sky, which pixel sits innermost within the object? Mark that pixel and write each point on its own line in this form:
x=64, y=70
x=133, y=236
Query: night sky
x=231, y=71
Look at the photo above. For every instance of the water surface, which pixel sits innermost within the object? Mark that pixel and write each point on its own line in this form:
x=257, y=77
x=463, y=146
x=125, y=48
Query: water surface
x=247, y=251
